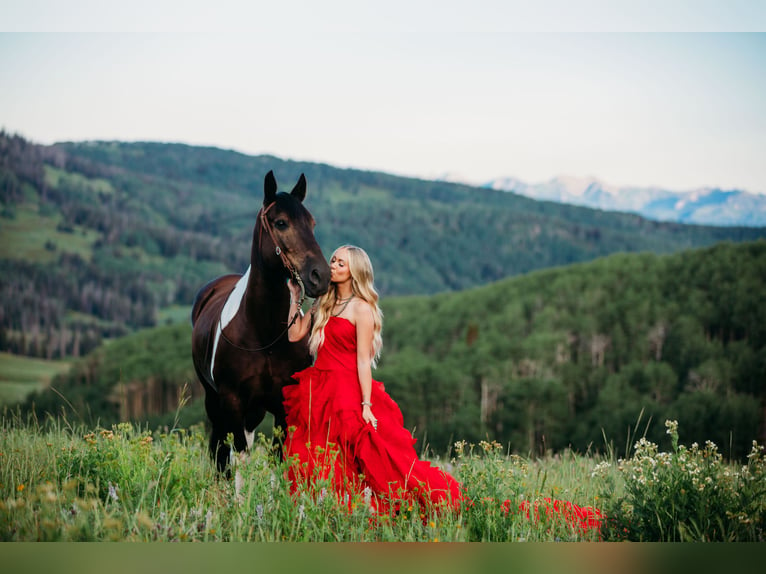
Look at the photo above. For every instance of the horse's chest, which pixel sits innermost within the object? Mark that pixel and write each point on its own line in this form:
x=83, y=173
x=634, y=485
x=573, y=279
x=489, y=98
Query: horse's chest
x=258, y=374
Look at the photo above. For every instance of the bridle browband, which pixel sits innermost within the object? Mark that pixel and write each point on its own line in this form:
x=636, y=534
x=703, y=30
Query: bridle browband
x=288, y=265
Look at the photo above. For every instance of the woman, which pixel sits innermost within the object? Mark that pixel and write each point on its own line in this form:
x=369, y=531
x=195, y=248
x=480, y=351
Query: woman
x=341, y=423
x=344, y=426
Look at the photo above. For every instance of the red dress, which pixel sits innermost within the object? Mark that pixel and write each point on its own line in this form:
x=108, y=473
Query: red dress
x=327, y=437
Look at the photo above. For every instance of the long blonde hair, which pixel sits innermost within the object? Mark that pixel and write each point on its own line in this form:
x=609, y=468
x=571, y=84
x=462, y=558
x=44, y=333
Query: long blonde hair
x=363, y=287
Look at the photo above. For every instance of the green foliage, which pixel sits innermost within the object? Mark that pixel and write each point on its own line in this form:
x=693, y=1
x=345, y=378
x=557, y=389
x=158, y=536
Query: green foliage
x=687, y=494
x=99, y=389
x=551, y=359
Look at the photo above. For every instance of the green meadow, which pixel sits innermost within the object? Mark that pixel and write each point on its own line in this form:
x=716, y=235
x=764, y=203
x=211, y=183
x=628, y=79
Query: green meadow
x=20, y=376
x=65, y=482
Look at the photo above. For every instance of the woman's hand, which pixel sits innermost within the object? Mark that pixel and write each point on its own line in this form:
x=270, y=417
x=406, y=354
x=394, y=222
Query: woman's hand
x=368, y=417
x=298, y=323
x=295, y=290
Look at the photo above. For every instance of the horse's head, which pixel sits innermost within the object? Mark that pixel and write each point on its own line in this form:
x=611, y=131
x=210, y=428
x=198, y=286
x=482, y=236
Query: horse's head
x=284, y=237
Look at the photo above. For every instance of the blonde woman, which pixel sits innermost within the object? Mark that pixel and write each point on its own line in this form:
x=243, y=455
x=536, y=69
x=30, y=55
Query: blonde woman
x=341, y=422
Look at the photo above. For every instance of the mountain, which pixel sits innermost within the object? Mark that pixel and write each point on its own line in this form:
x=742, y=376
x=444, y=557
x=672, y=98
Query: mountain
x=99, y=239
x=705, y=206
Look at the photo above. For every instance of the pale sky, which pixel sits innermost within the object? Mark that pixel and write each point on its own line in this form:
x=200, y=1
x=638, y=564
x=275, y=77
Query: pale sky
x=667, y=93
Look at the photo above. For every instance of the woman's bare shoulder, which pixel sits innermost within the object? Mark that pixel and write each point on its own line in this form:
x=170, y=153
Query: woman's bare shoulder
x=363, y=312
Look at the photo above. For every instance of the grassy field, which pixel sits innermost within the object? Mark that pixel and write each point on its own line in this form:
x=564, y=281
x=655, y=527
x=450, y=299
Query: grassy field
x=20, y=376
x=62, y=482
x=30, y=236
x=174, y=314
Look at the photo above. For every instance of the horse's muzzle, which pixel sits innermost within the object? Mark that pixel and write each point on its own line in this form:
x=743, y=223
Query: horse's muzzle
x=318, y=281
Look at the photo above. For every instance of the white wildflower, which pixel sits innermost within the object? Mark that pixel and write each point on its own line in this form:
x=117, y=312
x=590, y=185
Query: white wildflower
x=113, y=492
x=600, y=469
x=239, y=482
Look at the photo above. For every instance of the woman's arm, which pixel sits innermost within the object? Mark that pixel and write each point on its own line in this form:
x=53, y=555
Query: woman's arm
x=302, y=323
x=364, y=335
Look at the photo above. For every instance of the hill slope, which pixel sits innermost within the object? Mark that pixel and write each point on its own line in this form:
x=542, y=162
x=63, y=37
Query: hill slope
x=543, y=361
x=98, y=237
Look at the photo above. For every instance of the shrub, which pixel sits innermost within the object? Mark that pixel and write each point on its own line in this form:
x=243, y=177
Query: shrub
x=688, y=494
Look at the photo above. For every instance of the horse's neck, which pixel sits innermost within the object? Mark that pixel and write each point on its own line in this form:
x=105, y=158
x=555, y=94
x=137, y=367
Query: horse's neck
x=267, y=301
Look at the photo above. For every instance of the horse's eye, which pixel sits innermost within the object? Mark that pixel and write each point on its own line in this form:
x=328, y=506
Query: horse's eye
x=280, y=224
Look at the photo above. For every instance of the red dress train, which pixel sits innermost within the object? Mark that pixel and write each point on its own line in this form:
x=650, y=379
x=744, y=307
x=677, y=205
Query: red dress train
x=327, y=439
x=327, y=436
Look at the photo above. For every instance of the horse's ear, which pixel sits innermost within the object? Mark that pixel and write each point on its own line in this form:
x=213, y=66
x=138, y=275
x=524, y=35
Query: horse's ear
x=299, y=191
x=269, y=189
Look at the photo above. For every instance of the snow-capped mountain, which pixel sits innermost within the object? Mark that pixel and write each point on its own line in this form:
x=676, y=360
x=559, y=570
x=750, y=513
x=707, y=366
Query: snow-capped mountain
x=706, y=206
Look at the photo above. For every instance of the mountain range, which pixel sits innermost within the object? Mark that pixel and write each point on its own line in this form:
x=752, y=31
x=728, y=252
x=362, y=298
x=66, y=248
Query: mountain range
x=704, y=206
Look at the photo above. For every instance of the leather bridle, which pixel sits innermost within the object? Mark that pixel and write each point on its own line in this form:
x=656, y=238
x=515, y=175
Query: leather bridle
x=279, y=251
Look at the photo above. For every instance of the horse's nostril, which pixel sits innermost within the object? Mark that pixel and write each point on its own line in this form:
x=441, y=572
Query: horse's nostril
x=316, y=277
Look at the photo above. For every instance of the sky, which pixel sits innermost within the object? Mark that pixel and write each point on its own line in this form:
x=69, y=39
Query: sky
x=655, y=93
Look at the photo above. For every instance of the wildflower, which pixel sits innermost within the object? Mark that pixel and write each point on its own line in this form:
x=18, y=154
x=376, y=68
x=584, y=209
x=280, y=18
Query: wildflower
x=672, y=427
x=20, y=488
x=301, y=512
x=600, y=469
x=239, y=482
x=113, y=492
x=460, y=447
x=259, y=511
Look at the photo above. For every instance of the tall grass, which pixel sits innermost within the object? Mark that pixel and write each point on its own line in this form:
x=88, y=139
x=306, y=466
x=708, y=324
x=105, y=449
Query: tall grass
x=61, y=481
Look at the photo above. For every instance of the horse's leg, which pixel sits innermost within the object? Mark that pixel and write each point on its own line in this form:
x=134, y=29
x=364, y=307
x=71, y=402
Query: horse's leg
x=280, y=422
x=219, y=449
x=252, y=419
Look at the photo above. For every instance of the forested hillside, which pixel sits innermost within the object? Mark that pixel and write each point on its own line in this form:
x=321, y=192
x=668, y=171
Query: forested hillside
x=99, y=239
x=541, y=362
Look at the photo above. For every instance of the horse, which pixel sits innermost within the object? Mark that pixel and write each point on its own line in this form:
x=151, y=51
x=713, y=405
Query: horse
x=240, y=349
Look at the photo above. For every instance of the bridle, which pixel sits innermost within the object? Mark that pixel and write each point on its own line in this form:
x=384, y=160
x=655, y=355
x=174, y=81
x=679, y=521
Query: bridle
x=279, y=251
x=288, y=265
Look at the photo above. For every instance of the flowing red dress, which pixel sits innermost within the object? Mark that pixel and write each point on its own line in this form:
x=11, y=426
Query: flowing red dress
x=328, y=439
